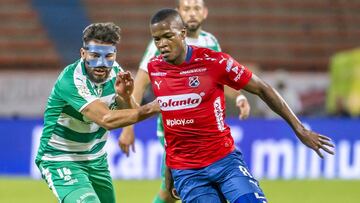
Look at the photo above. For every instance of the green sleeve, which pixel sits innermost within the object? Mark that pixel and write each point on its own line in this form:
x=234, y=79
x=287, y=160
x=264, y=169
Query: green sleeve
x=74, y=90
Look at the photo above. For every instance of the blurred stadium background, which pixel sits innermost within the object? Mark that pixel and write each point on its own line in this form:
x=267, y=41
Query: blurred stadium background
x=309, y=50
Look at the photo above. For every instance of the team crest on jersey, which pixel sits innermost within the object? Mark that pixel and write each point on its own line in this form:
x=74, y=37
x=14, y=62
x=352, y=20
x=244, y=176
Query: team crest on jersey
x=194, y=81
x=83, y=91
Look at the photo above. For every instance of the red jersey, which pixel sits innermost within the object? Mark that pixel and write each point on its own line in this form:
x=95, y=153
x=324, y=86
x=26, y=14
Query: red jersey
x=191, y=98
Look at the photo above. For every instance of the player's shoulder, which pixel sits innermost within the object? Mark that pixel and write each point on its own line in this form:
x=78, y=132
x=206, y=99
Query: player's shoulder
x=71, y=73
x=156, y=60
x=69, y=70
x=208, y=36
x=204, y=33
x=207, y=52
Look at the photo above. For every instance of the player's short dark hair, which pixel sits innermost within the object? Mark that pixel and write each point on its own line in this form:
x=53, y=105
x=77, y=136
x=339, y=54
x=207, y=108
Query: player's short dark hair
x=164, y=14
x=178, y=3
x=104, y=32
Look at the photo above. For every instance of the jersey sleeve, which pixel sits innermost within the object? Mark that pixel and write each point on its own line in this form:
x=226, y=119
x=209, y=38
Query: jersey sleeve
x=74, y=91
x=150, y=52
x=231, y=73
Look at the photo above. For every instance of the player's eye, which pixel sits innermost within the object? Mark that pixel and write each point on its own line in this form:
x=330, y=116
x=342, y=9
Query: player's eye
x=94, y=55
x=110, y=55
x=169, y=36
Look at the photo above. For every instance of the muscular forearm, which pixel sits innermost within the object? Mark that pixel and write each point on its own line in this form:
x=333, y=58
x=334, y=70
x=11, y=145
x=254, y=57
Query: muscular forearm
x=120, y=118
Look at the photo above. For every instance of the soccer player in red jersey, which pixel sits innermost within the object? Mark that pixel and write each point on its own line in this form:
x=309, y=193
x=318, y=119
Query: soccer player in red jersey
x=188, y=82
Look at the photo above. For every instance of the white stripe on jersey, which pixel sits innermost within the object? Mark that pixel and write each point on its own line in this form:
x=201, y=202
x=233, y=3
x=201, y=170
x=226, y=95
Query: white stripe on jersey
x=72, y=146
x=77, y=125
x=73, y=157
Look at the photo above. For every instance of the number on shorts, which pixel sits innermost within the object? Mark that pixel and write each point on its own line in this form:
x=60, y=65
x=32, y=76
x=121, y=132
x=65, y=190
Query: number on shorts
x=64, y=173
x=245, y=171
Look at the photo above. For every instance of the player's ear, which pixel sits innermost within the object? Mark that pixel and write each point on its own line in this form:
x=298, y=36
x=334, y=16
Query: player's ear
x=205, y=13
x=82, y=53
x=183, y=32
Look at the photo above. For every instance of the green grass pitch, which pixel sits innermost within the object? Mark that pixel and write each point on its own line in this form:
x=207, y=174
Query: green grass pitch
x=277, y=191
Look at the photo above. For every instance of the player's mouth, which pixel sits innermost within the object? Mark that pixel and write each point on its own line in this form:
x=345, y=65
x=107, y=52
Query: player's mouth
x=100, y=72
x=165, y=54
x=192, y=22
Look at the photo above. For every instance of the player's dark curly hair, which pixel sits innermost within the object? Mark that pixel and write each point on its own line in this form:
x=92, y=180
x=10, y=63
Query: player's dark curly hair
x=104, y=32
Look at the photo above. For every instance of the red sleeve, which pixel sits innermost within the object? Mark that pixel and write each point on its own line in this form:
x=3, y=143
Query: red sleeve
x=231, y=73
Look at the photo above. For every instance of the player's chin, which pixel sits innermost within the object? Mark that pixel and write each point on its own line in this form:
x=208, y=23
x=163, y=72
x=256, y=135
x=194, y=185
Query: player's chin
x=167, y=57
x=100, y=79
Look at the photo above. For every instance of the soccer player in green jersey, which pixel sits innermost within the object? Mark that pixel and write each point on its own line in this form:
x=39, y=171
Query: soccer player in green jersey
x=193, y=12
x=84, y=104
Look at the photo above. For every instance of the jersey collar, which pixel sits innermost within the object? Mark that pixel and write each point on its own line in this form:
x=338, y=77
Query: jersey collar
x=188, y=53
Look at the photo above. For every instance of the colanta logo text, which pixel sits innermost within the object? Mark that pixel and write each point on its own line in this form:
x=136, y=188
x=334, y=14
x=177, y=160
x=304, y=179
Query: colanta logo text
x=178, y=102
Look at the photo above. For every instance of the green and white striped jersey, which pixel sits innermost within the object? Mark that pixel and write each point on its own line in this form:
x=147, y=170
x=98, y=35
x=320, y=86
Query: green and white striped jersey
x=67, y=134
x=205, y=39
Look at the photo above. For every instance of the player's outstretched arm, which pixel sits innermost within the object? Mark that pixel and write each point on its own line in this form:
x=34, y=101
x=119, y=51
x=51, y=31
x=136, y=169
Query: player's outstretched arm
x=98, y=112
x=272, y=98
x=127, y=136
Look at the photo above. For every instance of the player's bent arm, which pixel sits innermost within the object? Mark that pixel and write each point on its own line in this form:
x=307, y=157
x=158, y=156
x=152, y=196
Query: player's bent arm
x=142, y=80
x=98, y=112
x=273, y=99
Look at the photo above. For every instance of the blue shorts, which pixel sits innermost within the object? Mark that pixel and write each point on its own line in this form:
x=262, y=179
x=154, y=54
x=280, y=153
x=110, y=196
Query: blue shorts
x=227, y=178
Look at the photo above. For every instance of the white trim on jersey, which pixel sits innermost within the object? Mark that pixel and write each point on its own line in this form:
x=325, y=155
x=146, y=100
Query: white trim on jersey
x=72, y=146
x=48, y=177
x=80, y=83
x=73, y=157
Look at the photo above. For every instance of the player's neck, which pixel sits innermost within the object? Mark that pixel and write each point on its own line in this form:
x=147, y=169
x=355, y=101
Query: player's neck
x=194, y=34
x=182, y=57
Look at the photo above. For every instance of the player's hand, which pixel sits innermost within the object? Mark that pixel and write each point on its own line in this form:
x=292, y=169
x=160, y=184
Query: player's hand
x=124, y=84
x=169, y=184
x=244, y=107
x=315, y=141
x=127, y=140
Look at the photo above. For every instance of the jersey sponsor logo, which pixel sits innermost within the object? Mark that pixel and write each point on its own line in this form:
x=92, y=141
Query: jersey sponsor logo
x=161, y=74
x=194, y=81
x=229, y=64
x=157, y=83
x=178, y=102
x=183, y=122
x=239, y=73
x=222, y=59
x=219, y=115
x=196, y=70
